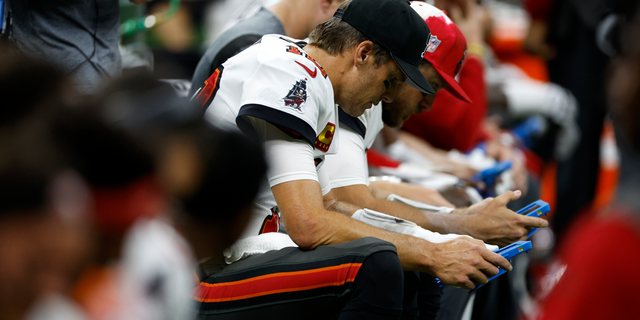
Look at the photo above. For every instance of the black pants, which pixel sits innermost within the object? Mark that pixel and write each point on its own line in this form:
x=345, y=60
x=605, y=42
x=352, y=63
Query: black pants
x=361, y=279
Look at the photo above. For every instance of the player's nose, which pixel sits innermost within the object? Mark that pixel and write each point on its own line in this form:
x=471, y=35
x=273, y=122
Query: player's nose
x=389, y=95
x=427, y=102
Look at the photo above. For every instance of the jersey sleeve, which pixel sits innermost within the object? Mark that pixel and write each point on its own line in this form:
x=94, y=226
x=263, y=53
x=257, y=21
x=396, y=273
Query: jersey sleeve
x=282, y=92
x=325, y=181
x=349, y=166
x=289, y=159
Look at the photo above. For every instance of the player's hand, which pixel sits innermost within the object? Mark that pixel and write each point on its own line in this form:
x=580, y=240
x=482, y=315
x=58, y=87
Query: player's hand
x=465, y=263
x=495, y=224
x=500, y=152
x=471, y=18
x=461, y=170
x=475, y=208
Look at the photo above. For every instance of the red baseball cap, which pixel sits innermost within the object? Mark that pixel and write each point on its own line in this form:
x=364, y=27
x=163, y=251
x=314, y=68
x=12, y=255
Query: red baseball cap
x=447, y=46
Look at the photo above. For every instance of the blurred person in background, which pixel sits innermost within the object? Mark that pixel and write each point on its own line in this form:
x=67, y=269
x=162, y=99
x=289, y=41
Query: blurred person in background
x=293, y=18
x=120, y=174
x=44, y=206
x=611, y=234
x=564, y=32
x=458, y=124
x=80, y=37
x=39, y=247
x=138, y=150
x=212, y=175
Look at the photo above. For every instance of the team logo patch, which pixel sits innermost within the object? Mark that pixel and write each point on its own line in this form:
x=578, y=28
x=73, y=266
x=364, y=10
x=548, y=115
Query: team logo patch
x=324, y=139
x=433, y=43
x=297, y=96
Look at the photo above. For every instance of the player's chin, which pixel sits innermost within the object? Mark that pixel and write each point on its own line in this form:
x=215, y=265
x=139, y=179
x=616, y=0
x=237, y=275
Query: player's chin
x=355, y=111
x=364, y=108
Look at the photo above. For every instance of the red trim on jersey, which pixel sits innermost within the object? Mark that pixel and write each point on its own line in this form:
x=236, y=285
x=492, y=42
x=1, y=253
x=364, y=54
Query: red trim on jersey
x=271, y=223
x=377, y=159
x=278, y=283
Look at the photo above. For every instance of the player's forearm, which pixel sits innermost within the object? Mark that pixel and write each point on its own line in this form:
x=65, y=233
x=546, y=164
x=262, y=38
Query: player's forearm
x=428, y=220
x=328, y=227
x=360, y=196
x=382, y=190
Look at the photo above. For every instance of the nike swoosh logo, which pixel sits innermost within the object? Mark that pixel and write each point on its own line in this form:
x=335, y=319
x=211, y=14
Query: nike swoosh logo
x=311, y=73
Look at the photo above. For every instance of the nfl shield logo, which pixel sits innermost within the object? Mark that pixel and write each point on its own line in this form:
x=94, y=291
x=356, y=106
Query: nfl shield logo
x=433, y=43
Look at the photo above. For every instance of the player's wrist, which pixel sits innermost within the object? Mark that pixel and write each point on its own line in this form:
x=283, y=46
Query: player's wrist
x=470, y=225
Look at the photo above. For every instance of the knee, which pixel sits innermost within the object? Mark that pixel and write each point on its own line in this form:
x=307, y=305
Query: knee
x=378, y=288
x=385, y=266
x=383, y=272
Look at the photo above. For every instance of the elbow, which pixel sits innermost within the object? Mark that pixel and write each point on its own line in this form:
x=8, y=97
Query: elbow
x=306, y=233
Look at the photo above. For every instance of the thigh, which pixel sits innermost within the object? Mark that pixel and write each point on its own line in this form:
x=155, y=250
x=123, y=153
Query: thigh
x=287, y=283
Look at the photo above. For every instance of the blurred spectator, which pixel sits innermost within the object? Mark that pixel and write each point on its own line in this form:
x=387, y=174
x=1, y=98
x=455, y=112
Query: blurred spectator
x=293, y=18
x=195, y=161
x=564, y=32
x=176, y=43
x=456, y=124
x=79, y=37
x=43, y=208
x=596, y=239
x=191, y=159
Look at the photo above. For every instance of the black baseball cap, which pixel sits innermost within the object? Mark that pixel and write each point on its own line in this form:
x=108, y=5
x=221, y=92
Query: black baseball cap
x=394, y=25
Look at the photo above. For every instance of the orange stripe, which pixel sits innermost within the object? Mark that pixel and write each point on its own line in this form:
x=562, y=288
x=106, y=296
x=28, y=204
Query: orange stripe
x=280, y=274
x=264, y=293
x=278, y=283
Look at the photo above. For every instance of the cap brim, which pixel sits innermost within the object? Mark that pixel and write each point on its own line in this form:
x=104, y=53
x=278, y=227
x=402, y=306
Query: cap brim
x=453, y=86
x=414, y=76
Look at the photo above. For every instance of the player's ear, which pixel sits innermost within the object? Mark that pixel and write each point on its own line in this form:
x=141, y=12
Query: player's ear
x=363, y=53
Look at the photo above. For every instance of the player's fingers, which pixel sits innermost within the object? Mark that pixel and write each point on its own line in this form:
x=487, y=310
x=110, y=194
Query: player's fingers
x=497, y=260
x=488, y=269
x=468, y=284
x=508, y=196
x=533, y=222
x=478, y=277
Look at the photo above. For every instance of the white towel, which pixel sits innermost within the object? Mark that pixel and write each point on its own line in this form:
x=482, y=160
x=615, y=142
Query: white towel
x=398, y=225
x=253, y=245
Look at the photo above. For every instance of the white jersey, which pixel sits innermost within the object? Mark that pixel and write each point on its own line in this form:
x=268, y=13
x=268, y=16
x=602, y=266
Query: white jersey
x=350, y=166
x=275, y=83
x=357, y=135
